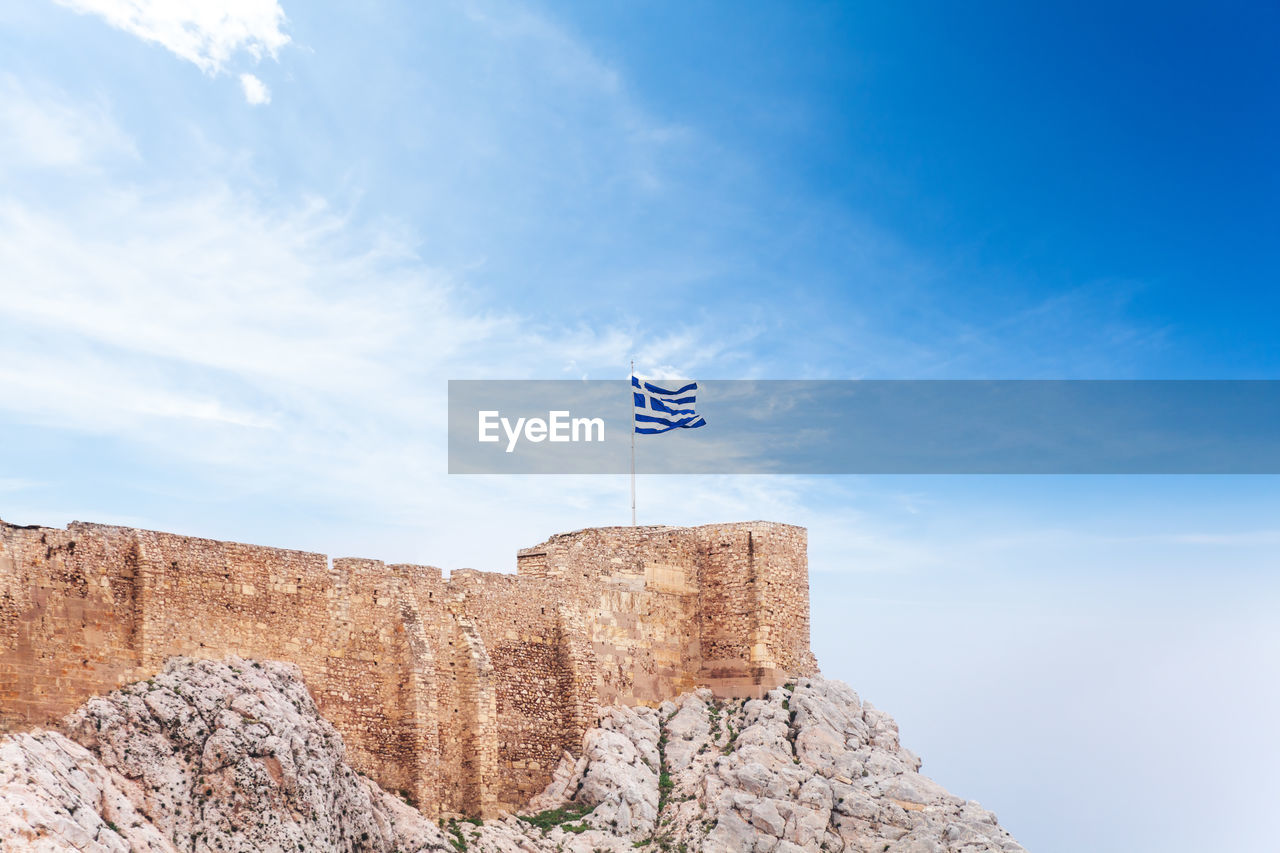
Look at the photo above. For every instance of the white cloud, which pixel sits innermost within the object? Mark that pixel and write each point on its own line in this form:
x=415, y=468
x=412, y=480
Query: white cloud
x=284, y=349
x=43, y=127
x=207, y=33
x=292, y=353
x=255, y=91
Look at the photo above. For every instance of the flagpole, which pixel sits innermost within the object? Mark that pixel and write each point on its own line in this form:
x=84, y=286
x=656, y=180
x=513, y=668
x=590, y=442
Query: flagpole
x=633, y=446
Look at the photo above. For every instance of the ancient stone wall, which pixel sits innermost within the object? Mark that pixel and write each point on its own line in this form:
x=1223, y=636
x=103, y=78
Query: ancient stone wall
x=461, y=693
x=754, y=607
x=722, y=605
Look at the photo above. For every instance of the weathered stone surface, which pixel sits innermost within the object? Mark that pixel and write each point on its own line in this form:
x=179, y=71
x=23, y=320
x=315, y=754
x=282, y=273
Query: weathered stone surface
x=234, y=756
x=620, y=778
x=231, y=756
x=462, y=691
x=55, y=795
x=227, y=756
x=808, y=767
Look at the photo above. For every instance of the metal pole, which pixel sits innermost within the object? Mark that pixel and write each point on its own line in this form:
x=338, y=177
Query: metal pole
x=633, y=448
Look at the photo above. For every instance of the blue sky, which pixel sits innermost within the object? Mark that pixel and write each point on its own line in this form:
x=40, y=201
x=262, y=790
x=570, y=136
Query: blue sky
x=230, y=305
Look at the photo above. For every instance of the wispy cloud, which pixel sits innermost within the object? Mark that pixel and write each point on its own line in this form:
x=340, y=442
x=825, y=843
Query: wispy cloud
x=283, y=347
x=42, y=127
x=210, y=35
x=1092, y=318
x=206, y=34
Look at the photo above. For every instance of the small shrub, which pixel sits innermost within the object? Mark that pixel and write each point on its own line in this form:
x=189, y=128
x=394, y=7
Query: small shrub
x=557, y=817
x=457, y=839
x=733, y=736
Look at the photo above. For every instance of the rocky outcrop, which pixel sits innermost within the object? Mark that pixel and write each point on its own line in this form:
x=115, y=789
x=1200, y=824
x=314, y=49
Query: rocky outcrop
x=228, y=756
x=809, y=767
x=233, y=756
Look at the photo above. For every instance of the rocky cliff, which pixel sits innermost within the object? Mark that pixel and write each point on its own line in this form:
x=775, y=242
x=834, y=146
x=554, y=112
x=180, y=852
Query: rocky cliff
x=234, y=756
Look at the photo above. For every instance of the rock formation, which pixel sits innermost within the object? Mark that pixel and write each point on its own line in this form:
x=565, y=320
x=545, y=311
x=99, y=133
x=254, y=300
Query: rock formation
x=235, y=756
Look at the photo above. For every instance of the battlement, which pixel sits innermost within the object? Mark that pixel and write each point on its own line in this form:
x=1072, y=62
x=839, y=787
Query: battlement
x=463, y=691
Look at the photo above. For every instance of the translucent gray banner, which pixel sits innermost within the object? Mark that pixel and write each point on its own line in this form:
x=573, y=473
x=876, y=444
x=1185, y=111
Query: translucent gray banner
x=873, y=427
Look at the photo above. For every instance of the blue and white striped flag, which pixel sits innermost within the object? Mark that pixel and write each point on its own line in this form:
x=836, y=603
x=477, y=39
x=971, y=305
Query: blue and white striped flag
x=662, y=410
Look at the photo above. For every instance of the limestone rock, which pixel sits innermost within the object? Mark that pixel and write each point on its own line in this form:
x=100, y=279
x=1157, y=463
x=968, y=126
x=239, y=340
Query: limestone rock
x=620, y=779
x=225, y=756
x=54, y=795
x=233, y=756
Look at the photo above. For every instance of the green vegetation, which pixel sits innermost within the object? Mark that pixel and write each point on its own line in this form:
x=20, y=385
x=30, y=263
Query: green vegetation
x=559, y=817
x=665, y=784
x=713, y=716
x=733, y=737
x=458, y=840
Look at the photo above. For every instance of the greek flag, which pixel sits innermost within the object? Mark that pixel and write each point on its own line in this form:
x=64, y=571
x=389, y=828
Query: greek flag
x=662, y=410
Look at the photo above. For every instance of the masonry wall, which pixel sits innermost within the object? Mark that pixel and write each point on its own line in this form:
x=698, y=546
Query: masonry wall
x=70, y=621
x=460, y=693
x=753, y=610
x=723, y=605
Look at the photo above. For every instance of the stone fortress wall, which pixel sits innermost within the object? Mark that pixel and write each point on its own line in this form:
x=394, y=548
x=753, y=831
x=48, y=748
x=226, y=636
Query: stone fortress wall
x=462, y=693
